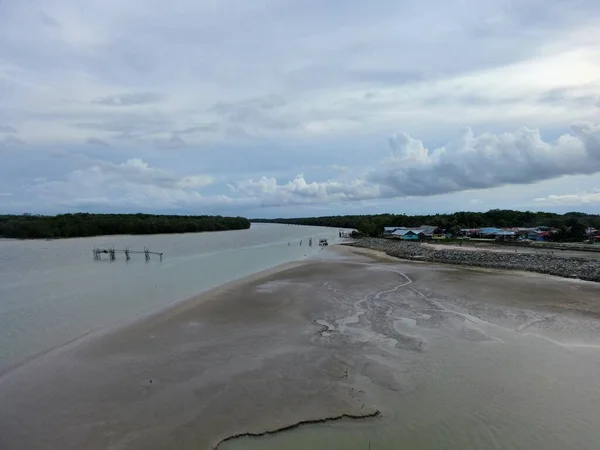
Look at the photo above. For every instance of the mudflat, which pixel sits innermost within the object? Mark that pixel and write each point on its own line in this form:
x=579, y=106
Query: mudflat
x=327, y=339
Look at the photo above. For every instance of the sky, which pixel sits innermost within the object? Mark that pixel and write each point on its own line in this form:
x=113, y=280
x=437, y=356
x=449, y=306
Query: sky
x=285, y=108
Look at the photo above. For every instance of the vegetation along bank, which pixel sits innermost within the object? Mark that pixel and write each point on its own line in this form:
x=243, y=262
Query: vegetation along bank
x=28, y=226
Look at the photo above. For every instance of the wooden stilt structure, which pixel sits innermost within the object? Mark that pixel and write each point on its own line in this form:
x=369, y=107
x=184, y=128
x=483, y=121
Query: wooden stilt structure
x=112, y=253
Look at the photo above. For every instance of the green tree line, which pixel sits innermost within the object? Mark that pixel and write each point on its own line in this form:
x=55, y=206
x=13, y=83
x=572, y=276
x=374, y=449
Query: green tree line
x=28, y=226
x=572, y=225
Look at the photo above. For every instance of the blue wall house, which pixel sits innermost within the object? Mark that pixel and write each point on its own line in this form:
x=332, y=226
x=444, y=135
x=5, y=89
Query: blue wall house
x=407, y=235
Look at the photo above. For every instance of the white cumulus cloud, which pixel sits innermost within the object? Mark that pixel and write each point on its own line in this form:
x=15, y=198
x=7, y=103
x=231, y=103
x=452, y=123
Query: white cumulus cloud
x=469, y=163
x=133, y=184
x=299, y=191
x=486, y=161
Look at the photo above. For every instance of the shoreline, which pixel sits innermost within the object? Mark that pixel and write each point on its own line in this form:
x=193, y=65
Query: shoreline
x=569, y=267
x=180, y=306
x=173, y=307
x=215, y=314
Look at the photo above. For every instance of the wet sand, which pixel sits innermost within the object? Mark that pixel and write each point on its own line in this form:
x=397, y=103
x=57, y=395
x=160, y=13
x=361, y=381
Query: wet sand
x=320, y=340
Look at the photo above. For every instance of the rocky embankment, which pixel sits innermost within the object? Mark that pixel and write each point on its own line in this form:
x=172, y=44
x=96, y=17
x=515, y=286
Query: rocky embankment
x=568, y=267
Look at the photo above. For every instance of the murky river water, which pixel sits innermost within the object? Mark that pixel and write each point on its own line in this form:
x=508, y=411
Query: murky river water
x=53, y=291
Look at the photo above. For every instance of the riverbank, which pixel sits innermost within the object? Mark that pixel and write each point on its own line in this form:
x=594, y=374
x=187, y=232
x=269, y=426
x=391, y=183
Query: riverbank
x=54, y=292
x=546, y=263
x=353, y=341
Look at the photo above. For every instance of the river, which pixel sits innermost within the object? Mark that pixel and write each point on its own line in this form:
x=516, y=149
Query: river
x=52, y=292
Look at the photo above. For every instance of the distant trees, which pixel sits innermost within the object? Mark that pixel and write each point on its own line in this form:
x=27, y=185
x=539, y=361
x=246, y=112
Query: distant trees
x=29, y=226
x=575, y=229
x=574, y=223
x=370, y=228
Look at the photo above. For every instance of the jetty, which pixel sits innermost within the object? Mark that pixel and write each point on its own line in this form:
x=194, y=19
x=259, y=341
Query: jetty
x=112, y=253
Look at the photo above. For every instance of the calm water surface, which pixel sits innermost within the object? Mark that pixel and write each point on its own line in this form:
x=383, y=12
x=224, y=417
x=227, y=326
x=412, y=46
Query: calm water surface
x=53, y=291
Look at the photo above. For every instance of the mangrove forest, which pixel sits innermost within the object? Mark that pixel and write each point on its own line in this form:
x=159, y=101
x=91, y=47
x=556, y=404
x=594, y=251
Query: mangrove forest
x=28, y=226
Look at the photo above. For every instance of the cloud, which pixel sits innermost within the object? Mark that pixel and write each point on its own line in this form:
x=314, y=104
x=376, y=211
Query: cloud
x=97, y=142
x=50, y=21
x=195, y=181
x=340, y=168
x=299, y=191
x=130, y=126
x=172, y=143
x=584, y=198
x=133, y=99
x=7, y=129
x=133, y=184
x=199, y=128
x=569, y=96
x=255, y=114
x=10, y=141
x=262, y=89
x=469, y=163
x=137, y=171
x=57, y=153
x=485, y=161
x=6, y=194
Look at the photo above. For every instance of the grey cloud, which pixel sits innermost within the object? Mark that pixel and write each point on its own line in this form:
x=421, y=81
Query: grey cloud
x=469, y=99
x=266, y=103
x=386, y=76
x=135, y=127
x=7, y=129
x=129, y=126
x=568, y=95
x=174, y=142
x=544, y=14
x=96, y=141
x=330, y=74
x=142, y=98
x=256, y=114
x=554, y=95
x=199, y=128
x=10, y=141
x=50, y=21
x=57, y=153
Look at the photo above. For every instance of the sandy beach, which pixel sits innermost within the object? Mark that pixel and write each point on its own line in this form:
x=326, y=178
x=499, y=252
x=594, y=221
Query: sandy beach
x=325, y=339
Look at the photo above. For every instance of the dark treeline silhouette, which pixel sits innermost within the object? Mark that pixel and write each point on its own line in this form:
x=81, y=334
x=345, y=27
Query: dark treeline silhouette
x=373, y=224
x=29, y=226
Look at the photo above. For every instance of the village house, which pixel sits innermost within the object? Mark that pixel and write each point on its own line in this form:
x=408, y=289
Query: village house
x=408, y=235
